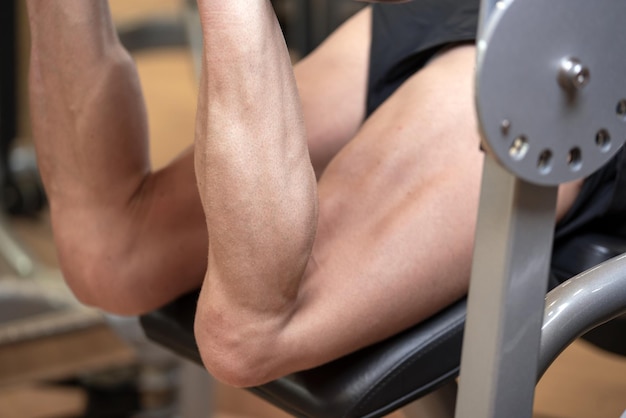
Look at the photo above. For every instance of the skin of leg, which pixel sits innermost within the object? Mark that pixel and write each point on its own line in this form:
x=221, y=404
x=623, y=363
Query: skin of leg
x=130, y=240
x=397, y=214
x=332, y=82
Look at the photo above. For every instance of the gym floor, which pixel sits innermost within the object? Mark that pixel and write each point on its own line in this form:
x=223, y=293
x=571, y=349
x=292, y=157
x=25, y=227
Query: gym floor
x=583, y=383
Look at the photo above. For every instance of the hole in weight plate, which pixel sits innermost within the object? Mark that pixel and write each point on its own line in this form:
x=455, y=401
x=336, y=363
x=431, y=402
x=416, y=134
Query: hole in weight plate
x=621, y=109
x=575, y=159
x=603, y=140
x=544, y=163
x=519, y=148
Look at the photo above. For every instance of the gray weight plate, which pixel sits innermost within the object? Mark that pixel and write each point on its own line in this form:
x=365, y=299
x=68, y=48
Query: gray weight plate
x=551, y=86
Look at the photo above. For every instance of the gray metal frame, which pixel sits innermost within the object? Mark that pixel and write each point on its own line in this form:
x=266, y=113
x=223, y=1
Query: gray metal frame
x=506, y=298
x=550, y=88
x=581, y=304
x=501, y=358
x=577, y=306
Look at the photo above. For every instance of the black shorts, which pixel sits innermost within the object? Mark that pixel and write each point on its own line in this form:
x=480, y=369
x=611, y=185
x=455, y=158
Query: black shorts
x=406, y=36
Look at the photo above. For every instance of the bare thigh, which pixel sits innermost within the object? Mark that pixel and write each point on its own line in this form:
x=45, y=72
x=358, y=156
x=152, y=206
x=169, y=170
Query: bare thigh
x=332, y=82
x=398, y=208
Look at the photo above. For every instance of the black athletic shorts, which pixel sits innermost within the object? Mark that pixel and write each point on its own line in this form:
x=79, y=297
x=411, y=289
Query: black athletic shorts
x=406, y=36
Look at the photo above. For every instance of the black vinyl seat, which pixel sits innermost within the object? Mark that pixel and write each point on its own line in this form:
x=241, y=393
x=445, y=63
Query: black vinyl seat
x=379, y=379
x=370, y=382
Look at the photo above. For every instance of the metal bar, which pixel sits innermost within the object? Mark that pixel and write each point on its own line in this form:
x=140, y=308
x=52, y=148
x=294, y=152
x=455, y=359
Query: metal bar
x=486, y=8
x=580, y=304
x=506, y=297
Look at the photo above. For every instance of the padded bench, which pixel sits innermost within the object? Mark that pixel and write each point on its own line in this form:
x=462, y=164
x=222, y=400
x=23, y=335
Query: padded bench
x=379, y=379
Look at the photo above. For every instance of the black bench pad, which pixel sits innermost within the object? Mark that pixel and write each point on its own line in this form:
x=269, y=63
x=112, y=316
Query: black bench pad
x=379, y=379
x=369, y=383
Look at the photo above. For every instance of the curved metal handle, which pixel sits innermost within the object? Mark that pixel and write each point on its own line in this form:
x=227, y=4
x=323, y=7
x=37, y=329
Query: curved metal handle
x=580, y=304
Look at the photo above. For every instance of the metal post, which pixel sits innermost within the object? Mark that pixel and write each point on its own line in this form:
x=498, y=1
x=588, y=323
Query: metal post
x=506, y=298
x=486, y=9
x=549, y=106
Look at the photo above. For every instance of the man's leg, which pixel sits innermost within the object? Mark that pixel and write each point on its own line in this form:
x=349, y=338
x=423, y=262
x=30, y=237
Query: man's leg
x=332, y=82
x=397, y=214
